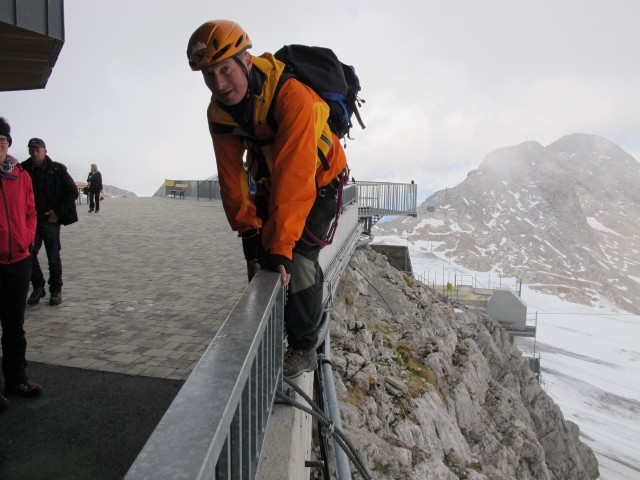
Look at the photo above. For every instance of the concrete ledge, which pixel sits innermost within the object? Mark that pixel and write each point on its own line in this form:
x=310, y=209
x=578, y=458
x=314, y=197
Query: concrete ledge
x=287, y=442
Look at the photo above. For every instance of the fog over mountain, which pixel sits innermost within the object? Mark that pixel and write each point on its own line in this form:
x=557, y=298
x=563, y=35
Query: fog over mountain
x=564, y=218
x=118, y=192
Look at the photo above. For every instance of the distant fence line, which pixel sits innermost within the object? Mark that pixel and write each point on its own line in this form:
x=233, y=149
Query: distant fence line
x=440, y=279
x=199, y=189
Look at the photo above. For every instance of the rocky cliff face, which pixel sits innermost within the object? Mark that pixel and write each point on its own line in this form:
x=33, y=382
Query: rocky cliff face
x=564, y=218
x=434, y=391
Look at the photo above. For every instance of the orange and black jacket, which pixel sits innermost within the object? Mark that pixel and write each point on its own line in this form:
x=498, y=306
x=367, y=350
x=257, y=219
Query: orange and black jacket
x=289, y=147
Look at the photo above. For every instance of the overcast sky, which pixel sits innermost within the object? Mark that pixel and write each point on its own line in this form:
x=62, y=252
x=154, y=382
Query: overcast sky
x=445, y=82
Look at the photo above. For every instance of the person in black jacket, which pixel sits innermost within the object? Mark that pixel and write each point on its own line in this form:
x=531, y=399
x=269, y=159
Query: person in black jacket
x=94, y=182
x=55, y=195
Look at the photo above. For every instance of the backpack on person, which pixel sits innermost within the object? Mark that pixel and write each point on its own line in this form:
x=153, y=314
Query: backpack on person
x=336, y=83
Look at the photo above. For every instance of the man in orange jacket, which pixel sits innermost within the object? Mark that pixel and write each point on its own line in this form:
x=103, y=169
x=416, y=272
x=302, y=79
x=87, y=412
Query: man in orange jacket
x=294, y=160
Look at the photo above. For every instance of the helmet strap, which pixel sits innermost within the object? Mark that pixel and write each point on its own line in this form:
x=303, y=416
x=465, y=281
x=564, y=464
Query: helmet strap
x=238, y=58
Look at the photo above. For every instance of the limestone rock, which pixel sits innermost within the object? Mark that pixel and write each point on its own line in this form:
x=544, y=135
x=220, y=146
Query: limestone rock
x=427, y=391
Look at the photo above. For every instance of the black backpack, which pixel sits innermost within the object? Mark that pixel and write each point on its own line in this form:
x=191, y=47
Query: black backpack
x=336, y=83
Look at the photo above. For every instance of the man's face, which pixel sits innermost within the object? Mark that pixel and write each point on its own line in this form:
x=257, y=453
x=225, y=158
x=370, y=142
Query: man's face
x=4, y=147
x=227, y=80
x=37, y=154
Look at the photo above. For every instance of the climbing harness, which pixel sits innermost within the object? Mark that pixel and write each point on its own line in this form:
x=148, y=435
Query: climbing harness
x=336, y=185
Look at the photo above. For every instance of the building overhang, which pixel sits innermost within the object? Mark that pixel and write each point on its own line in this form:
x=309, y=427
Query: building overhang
x=31, y=38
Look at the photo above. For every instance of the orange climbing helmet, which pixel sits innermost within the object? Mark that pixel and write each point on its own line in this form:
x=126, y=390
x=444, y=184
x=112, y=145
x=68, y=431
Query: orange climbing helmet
x=215, y=41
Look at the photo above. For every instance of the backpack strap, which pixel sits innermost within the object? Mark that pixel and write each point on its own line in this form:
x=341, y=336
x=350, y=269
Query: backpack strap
x=271, y=120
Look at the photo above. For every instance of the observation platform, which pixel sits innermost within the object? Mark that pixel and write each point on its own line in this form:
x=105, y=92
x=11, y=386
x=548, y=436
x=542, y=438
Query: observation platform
x=147, y=284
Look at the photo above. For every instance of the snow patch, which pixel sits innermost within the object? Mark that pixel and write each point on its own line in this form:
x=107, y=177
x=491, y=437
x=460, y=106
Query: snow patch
x=593, y=223
x=433, y=222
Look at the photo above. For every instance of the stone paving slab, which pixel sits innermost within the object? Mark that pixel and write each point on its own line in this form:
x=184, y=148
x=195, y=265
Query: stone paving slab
x=147, y=284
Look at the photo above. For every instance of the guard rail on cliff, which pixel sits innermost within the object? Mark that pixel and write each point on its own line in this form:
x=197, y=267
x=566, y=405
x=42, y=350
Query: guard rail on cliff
x=215, y=426
x=375, y=199
x=378, y=199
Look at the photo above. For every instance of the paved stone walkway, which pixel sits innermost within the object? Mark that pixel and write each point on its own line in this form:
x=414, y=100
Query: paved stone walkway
x=147, y=283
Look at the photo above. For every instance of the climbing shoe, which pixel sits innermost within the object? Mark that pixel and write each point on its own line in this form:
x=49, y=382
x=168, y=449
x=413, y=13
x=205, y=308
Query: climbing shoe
x=299, y=361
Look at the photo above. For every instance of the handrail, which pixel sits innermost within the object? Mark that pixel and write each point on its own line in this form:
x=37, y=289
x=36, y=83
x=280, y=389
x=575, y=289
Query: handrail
x=340, y=260
x=349, y=195
x=216, y=424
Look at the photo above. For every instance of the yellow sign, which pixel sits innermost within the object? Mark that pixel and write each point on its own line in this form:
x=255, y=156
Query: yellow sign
x=169, y=183
x=449, y=286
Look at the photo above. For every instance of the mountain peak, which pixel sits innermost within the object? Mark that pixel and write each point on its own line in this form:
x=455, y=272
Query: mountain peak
x=509, y=162
x=584, y=143
x=564, y=217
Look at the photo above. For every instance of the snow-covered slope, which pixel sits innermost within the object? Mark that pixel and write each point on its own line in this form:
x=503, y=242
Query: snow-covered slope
x=589, y=357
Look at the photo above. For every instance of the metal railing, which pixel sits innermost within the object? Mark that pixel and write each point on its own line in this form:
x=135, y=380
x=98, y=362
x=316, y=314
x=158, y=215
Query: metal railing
x=444, y=277
x=216, y=424
x=198, y=189
x=341, y=259
x=349, y=194
x=376, y=199
x=209, y=189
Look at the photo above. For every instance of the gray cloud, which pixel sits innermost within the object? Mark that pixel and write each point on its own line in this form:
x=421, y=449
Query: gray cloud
x=445, y=82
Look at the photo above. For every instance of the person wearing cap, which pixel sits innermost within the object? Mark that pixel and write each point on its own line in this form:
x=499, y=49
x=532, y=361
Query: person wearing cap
x=55, y=195
x=94, y=184
x=294, y=160
x=17, y=229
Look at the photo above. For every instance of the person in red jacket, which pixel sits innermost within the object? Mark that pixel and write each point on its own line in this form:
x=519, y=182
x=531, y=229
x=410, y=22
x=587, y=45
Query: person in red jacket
x=295, y=161
x=17, y=231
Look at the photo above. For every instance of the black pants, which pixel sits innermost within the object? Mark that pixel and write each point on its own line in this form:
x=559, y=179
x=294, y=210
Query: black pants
x=49, y=233
x=304, y=307
x=14, y=286
x=94, y=201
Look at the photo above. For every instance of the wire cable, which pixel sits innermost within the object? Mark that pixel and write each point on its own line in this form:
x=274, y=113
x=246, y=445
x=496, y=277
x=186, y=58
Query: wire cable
x=329, y=426
x=374, y=287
